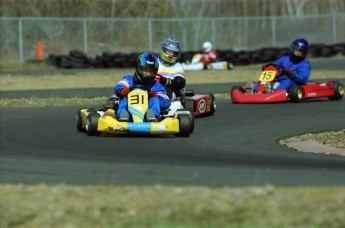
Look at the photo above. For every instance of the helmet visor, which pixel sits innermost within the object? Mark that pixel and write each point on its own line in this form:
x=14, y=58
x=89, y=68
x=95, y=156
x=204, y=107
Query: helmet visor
x=170, y=52
x=299, y=52
x=148, y=73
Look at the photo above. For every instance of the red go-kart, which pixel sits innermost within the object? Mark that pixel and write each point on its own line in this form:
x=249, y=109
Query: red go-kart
x=332, y=90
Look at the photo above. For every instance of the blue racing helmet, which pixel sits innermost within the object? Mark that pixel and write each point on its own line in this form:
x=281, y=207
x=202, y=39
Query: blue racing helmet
x=299, y=48
x=146, y=68
x=170, y=50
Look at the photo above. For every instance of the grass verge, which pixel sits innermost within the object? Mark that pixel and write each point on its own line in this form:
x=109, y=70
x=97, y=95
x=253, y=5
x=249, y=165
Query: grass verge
x=162, y=206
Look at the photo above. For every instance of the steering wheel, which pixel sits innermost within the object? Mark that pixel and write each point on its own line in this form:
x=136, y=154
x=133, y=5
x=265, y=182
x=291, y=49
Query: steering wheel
x=279, y=67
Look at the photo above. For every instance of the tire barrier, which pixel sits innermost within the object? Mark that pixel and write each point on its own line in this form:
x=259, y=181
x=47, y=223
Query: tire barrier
x=78, y=59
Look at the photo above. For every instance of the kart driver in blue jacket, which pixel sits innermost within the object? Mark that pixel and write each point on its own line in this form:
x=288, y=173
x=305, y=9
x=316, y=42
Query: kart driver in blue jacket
x=145, y=72
x=296, y=68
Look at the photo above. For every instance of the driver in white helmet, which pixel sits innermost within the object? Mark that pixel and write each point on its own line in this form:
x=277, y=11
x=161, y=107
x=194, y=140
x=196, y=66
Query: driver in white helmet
x=208, y=55
x=200, y=61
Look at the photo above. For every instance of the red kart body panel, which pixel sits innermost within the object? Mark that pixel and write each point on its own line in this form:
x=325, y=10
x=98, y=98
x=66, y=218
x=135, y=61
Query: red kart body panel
x=202, y=104
x=274, y=97
x=309, y=91
x=318, y=90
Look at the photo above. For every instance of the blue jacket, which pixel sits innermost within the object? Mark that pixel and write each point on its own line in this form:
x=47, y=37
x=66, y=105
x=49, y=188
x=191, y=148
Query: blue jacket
x=128, y=81
x=301, y=69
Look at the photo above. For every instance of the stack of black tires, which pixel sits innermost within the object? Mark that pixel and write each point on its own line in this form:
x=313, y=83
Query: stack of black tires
x=78, y=59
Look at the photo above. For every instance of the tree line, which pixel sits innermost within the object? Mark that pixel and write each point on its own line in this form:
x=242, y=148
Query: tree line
x=167, y=8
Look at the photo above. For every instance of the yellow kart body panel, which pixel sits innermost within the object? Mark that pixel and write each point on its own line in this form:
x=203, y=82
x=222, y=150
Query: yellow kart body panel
x=108, y=124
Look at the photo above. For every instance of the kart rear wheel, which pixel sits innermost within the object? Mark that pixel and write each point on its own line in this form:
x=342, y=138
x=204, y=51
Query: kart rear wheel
x=339, y=91
x=212, y=104
x=92, y=123
x=185, y=125
x=295, y=94
x=189, y=105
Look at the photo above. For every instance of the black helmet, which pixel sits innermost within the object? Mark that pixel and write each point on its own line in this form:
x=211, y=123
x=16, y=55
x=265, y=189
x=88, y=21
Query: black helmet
x=146, y=68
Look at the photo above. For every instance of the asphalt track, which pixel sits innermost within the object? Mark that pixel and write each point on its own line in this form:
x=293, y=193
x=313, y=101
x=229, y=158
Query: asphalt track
x=238, y=146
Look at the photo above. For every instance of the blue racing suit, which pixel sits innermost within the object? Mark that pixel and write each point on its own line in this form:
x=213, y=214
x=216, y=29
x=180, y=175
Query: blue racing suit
x=155, y=103
x=301, y=71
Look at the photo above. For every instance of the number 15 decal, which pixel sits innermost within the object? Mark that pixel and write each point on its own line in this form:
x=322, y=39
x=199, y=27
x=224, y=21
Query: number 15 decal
x=267, y=76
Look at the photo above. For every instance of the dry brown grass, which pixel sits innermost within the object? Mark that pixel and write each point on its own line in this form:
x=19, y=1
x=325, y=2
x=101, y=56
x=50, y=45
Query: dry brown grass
x=108, y=78
x=162, y=206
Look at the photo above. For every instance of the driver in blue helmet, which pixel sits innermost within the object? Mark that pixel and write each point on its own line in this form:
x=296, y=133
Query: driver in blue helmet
x=145, y=72
x=296, y=67
x=170, y=72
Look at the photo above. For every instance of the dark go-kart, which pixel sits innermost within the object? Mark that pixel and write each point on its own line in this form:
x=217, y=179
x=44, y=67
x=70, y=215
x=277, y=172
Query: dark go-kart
x=333, y=90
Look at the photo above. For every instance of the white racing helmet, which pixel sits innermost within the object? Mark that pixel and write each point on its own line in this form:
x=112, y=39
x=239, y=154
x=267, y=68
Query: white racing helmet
x=207, y=46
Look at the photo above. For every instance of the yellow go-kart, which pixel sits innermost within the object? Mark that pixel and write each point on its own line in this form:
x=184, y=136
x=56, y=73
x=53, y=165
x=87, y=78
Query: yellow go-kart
x=105, y=122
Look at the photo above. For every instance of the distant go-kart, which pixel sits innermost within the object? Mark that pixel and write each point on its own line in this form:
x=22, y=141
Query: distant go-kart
x=333, y=90
x=104, y=121
x=197, y=65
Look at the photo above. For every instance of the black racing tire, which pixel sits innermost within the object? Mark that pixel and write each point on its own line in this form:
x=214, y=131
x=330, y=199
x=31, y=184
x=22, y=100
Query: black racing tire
x=185, y=125
x=295, y=94
x=189, y=105
x=79, y=118
x=339, y=91
x=92, y=124
x=239, y=88
x=213, y=104
x=79, y=122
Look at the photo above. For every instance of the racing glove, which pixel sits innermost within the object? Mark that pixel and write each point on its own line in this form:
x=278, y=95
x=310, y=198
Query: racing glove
x=152, y=94
x=124, y=92
x=288, y=73
x=165, y=81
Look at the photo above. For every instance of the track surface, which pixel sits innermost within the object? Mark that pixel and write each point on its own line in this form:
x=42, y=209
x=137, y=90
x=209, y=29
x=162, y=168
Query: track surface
x=238, y=146
x=235, y=147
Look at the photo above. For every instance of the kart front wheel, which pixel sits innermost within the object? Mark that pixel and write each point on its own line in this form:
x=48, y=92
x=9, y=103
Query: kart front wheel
x=339, y=91
x=185, y=125
x=239, y=88
x=79, y=121
x=92, y=124
x=295, y=94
